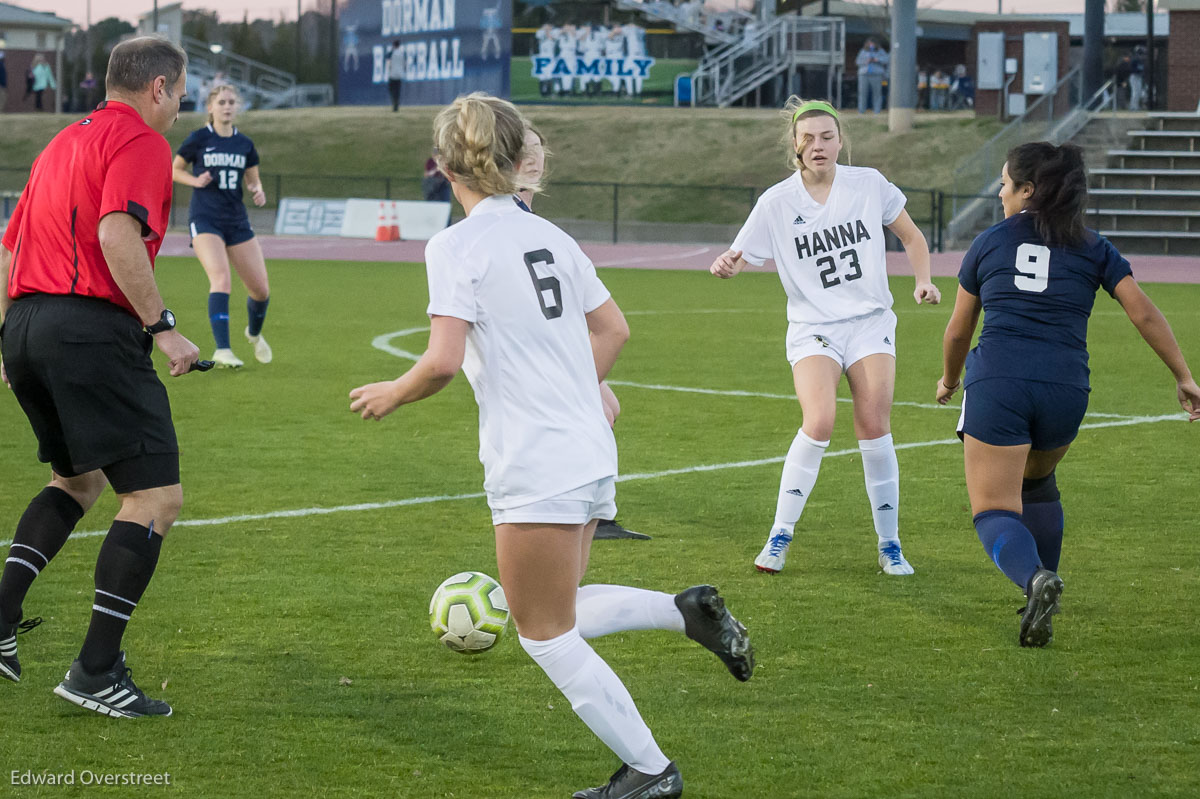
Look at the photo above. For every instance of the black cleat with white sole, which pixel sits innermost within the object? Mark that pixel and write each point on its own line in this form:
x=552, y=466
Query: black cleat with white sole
x=630, y=783
x=10, y=666
x=1044, y=590
x=111, y=693
x=709, y=623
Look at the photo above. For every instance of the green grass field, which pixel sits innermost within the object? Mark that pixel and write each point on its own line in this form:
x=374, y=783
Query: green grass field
x=294, y=644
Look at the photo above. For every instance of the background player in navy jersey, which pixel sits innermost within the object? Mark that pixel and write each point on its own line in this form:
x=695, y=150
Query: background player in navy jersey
x=1036, y=275
x=221, y=160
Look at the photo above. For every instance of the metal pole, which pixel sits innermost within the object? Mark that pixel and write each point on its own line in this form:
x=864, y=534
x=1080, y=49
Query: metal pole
x=1093, y=46
x=154, y=19
x=1148, y=75
x=616, y=209
x=299, y=13
x=902, y=82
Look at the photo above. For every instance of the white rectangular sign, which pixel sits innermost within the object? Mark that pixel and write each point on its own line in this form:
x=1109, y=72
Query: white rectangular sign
x=304, y=216
x=416, y=220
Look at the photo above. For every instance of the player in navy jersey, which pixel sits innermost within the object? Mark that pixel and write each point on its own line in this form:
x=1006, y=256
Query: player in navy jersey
x=1036, y=275
x=216, y=161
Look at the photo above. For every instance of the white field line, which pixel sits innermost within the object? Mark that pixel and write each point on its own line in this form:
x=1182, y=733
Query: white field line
x=297, y=513
x=670, y=257
x=383, y=343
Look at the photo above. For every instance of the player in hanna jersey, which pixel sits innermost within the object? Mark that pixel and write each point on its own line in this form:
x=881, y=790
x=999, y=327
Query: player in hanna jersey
x=216, y=161
x=823, y=227
x=516, y=304
x=1036, y=275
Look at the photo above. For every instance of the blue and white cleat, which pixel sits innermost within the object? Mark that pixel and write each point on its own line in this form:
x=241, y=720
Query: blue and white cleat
x=892, y=561
x=774, y=554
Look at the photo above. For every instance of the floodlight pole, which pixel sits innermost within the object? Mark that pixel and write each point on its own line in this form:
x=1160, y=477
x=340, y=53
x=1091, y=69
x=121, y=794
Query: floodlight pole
x=1093, y=47
x=154, y=19
x=902, y=80
x=298, y=15
x=1149, y=63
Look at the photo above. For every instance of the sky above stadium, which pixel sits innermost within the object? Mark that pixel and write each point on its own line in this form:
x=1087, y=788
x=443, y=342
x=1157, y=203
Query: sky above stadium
x=232, y=10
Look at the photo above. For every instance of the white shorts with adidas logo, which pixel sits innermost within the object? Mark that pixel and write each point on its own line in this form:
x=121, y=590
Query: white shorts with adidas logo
x=846, y=341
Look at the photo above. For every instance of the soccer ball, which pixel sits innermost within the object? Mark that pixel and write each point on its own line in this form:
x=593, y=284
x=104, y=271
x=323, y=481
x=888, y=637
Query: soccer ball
x=468, y=612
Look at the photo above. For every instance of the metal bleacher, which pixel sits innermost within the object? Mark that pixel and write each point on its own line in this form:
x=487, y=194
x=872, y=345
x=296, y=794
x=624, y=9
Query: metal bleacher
x=261, y=85
x=1147, y=198
x=747, y=50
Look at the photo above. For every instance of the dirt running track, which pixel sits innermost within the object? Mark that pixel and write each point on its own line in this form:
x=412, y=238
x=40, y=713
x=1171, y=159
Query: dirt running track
x=1147, y=268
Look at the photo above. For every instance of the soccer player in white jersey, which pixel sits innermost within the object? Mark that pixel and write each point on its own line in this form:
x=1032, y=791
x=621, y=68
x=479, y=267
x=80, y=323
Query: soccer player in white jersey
x=823, y=227
x=516, y=304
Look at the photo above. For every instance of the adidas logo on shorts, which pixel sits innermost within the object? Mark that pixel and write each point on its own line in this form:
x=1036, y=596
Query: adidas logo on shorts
x=887, y=340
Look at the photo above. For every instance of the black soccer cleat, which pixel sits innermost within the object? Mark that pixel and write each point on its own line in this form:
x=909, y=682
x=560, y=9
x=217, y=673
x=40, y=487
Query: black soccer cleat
x=10, y=667
x=111, y=693
x=608, y=529
x=630, y=783
x=709, y=623
x=1044, y=590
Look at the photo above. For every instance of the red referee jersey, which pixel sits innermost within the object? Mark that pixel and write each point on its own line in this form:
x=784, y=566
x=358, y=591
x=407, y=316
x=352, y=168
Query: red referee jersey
x=110, y=161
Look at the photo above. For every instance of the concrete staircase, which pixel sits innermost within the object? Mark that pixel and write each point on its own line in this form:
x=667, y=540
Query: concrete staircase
x=1146, y=199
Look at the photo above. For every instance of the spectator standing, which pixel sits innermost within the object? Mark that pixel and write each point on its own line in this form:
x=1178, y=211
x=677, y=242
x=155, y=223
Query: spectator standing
x=1137, y=72
x=43, y=78
x=1121, y=75
x=435, y=187
x=395, y=73
x=922, y=88
x=939, y=88
x=88, y=90
x=872, y=61
x=962, y=91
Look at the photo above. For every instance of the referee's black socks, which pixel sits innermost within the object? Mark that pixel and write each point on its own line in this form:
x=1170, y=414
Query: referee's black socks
x=41, y=533
x=123, y=570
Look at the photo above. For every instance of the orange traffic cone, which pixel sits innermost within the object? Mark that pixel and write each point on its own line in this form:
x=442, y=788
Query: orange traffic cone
x=382, y=232
x=394, y=228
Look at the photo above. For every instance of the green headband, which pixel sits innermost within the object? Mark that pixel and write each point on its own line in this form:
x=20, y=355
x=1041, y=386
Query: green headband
x=814, y=105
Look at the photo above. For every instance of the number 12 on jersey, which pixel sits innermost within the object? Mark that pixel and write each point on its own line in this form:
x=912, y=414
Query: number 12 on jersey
x=1033, y=262
x=227, y=178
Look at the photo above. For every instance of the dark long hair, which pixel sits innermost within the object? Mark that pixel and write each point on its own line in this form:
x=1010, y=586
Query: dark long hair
x=1059, y=181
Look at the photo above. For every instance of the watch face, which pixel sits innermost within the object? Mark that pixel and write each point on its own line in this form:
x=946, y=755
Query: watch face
x=169, y=318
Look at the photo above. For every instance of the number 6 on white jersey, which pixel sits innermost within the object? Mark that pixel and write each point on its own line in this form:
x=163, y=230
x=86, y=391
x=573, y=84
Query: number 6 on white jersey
x=1033, y=262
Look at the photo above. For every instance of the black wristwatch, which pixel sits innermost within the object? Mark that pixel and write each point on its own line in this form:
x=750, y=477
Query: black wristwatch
x=165, y=322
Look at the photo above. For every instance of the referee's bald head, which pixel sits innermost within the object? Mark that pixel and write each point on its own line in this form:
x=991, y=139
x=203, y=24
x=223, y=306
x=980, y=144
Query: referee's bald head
x=135, y=63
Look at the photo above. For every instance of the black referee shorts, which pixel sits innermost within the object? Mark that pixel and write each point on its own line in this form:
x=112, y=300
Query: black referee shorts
x=81, y=370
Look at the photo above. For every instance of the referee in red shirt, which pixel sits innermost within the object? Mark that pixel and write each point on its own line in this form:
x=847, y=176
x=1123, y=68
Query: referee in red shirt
x=81, y=315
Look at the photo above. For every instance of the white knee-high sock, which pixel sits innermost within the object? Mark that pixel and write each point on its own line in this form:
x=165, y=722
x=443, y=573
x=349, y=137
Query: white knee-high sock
x=604, y=609
x=800, y=470
x=599, y=698
x=882, y=473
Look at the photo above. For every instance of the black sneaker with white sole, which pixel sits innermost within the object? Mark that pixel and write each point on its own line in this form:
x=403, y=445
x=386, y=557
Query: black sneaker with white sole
x=111, y=693
x=1044, y=590
x=630, y=783
x=10, y=667
x=709, y=623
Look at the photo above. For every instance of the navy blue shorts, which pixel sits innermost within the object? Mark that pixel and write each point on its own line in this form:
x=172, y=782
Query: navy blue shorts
x=1006, y=412
x=232, y=232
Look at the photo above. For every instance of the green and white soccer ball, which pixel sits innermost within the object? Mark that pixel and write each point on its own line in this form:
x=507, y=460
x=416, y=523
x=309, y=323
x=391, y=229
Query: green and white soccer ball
x=468, y=612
